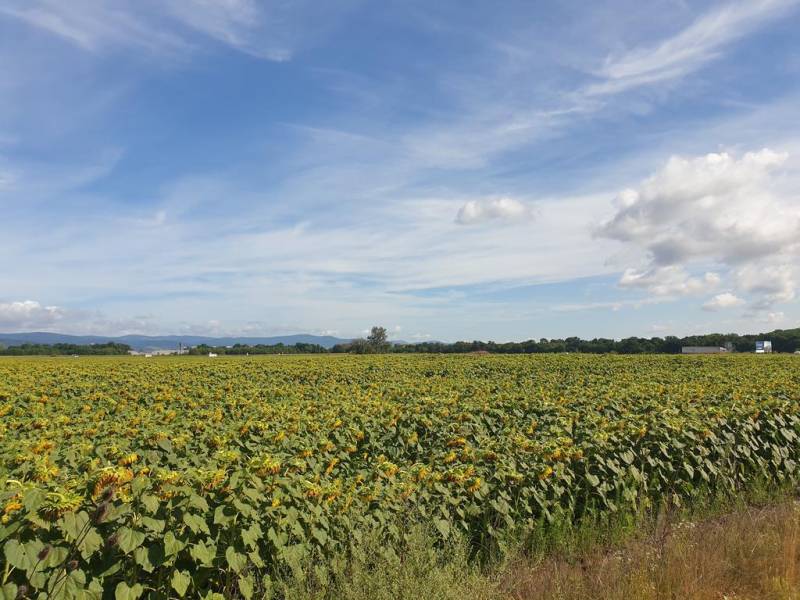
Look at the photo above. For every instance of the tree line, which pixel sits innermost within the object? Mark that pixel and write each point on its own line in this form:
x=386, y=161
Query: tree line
x=244, y=349
x=783, y=340
x=28, y=349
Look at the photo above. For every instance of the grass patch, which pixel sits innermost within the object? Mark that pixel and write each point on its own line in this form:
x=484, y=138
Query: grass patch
x=751, y=552
x=715, y=545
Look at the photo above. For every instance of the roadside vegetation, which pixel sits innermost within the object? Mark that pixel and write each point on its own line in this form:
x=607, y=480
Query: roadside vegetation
x=743, y=547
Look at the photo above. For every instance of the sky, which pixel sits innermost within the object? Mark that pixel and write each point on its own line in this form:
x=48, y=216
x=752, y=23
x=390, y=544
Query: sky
x=450, y=170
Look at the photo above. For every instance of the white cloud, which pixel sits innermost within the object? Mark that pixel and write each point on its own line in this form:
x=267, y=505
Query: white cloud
x=236, y=23
x=496, y=111
x=7, y=179
x=771, y=283
x=714, y=206
x=271, y=30
x=713, y=209
x=93, y=26
x=688, y=50
x=29, y=314
x=614, y=306
x=668, y=281
x=723, y=301
x=493, y=209
x=32, y=180
x=773, y=318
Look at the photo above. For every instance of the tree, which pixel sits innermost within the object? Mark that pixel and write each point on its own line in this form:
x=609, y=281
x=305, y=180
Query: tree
x=377, y=338
x=361, y=346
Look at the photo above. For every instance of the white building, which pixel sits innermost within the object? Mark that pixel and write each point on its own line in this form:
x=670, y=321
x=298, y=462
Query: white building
x=764, y=347
x=703, y=350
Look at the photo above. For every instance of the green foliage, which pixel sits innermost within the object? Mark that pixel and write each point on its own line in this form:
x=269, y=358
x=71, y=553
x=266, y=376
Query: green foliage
x=197, y=477
x=783, y=340
x=378, y=339
x=247, y=349
x=109, y=348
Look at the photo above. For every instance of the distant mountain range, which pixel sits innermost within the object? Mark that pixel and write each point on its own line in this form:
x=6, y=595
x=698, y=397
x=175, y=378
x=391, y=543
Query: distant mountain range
x=163, y=342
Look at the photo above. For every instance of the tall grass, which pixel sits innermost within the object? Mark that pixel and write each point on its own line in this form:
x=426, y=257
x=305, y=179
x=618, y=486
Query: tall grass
x=752, y=552
x=717, y=546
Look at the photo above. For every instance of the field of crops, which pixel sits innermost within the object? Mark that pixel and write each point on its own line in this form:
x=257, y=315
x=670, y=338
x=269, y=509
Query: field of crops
x=193, y=476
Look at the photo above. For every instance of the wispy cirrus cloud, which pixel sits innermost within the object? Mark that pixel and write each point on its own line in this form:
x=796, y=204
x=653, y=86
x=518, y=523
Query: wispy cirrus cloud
x=689, y=50
x=269, y=30
x=492, y=124
x=94, y=27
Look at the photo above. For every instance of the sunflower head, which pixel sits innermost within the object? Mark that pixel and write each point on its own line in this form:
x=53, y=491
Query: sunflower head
x=265, y=465
x=12, y=506
x=111, y=478
x=129, y=459
x=57, y=504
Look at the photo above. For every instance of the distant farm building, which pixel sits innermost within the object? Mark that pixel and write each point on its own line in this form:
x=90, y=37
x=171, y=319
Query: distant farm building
x=703, y=350
x=764, y=347
x=212, y=355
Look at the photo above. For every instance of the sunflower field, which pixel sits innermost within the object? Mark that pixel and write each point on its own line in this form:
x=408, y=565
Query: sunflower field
x=189, y=477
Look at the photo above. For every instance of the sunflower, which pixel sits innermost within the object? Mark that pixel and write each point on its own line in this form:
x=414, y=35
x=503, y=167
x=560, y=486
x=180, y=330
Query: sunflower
x=57, y=504
x=331, y=465
x=13, y=505
x=265, y=465
x=111, y=478
x=129, y=459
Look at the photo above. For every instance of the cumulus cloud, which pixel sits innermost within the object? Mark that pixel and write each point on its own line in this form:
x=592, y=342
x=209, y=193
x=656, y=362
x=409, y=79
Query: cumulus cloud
x=491, y=209
x=723, y=301
x=773, y=318
x=713, y=209
x=668, y=281
x=771, y=283
x=29, y=314
x=714, y=206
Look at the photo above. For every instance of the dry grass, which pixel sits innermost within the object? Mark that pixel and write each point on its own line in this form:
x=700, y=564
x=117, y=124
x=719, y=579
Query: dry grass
x=751, y=553
x=726, y=550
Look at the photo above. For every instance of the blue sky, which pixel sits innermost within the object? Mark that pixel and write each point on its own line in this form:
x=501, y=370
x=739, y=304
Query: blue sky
x=452, y=170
